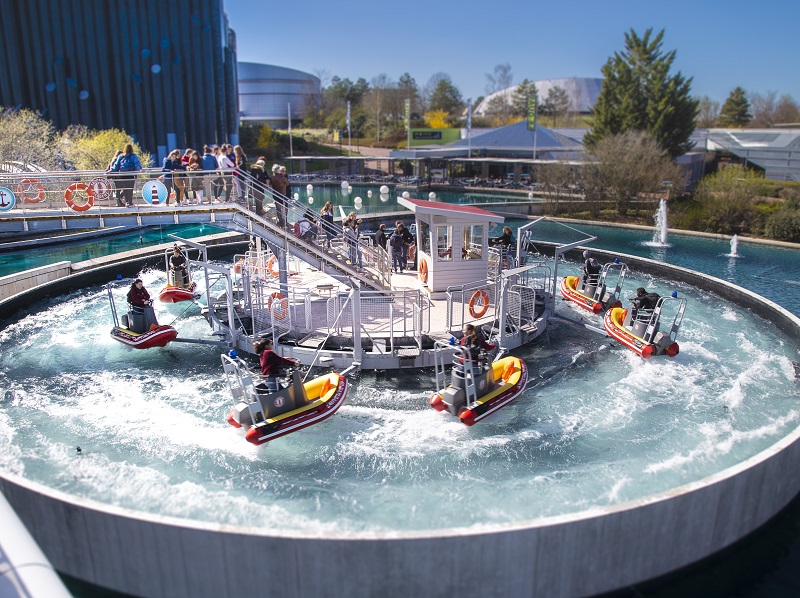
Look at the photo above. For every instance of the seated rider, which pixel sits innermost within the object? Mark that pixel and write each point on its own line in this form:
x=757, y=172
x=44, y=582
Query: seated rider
x=644, y=302
x=271, y=364
x=138, y=297
x=177, y=263
x=505, y=240
x=591, y=268
x=474, y=341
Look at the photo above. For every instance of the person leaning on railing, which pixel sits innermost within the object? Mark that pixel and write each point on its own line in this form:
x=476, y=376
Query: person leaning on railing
x=128, y=162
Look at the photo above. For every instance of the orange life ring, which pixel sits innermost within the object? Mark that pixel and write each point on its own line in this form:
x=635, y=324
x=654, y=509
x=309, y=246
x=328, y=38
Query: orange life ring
x=272, y=266
x=283, y=306
x=484, y=297
x=26, y=186
x=412, y=252
x=75, y=188
x=237, y=267
x=423, y=271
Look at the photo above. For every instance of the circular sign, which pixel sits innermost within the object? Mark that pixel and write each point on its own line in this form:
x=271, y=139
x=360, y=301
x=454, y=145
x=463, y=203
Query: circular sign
x=154, y=193
x=7, y=199
x=102, y=187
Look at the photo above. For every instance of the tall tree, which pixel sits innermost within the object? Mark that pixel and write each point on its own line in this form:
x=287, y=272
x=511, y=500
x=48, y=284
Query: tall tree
x=708, y=112
x=499, y=106
x=787, y=111
x=735, y=111
x=446, y=97
x=519, y=103
x=500, y=79
x=639, y=94
x=556, y=104
x=632, y=164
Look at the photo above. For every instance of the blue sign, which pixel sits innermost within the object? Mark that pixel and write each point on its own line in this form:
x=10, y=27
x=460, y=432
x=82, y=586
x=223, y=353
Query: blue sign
x=154, y=193
x=7, y=199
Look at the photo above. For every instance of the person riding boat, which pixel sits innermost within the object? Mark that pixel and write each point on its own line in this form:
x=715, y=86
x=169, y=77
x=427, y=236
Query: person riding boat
x=271, y=364
x=644, y=303
x=177, y=263
x=591, y=269
x=474, y=341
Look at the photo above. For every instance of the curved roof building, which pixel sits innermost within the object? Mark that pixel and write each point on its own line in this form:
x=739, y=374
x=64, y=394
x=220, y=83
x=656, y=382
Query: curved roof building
x=582, y=91
x=267, y=91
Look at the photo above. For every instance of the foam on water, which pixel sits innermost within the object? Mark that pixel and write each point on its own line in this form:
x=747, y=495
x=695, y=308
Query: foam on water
x=597, y=425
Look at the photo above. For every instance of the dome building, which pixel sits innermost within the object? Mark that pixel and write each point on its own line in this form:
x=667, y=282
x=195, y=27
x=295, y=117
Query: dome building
x=582, y=91
x=266, y=93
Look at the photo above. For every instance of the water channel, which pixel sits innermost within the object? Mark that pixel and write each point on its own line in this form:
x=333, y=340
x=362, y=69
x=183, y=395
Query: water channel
x=597, y=425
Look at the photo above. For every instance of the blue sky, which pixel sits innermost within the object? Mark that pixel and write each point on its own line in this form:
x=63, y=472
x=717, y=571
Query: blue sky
x=720, y=45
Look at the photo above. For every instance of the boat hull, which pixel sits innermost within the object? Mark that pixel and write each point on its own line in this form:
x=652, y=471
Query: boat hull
x=569, y=285
x=514, y=383
x=157, y=337
x=321, y=405
x=173, y=294
x=613, y=324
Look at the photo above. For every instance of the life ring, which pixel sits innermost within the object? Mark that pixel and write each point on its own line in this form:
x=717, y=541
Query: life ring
x=26, y=186
x=484, y=297
x=412, y=252
x=73, y=189
x=423, y=271
x=272, y=266
x=237, y=267
x=283, y=306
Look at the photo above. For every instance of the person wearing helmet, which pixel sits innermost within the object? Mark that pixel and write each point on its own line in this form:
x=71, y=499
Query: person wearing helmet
x=591, y=269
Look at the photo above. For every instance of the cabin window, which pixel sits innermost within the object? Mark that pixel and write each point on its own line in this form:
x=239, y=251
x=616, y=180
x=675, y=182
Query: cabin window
x=444, y=242
x=424, y=237
x=472, y=242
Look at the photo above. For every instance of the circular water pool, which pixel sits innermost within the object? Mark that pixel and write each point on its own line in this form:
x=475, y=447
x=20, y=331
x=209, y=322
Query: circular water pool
x=597, y=425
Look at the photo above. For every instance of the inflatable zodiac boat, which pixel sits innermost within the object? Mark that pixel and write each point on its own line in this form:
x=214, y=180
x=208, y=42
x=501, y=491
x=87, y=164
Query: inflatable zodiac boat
x=180, y=286
x=592, y=292
x=477, y=388
x=641, y=330
x=267, y=416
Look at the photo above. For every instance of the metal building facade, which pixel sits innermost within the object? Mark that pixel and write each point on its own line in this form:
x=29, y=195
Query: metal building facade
x=165, y=72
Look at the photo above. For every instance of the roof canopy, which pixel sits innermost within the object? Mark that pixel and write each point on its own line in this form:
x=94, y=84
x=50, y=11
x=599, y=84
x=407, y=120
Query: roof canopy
x=472, y=213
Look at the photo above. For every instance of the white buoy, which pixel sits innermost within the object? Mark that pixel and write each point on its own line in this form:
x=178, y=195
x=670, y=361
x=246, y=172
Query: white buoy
x=406, y=195
x=431, y=196
x=345, y=184
x=309, y=187
x=357, y=200
x=384, y=197
x=384, y=190
x=349, y=188
x=297, y=196
x=530, y=194
x=369, y=193
x=310, y=199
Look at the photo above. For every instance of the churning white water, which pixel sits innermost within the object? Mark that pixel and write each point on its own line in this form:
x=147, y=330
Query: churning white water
x=598, y=425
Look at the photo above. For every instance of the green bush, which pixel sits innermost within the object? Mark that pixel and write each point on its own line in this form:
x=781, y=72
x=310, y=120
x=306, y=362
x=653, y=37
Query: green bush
x=783, y=225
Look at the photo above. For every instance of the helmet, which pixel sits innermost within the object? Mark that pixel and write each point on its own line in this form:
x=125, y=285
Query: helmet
x=586, y=254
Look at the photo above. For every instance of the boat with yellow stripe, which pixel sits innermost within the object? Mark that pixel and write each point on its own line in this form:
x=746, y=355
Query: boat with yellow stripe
x=645, y=331
x=477, y=387
x=593, y=290
x=267, y=416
